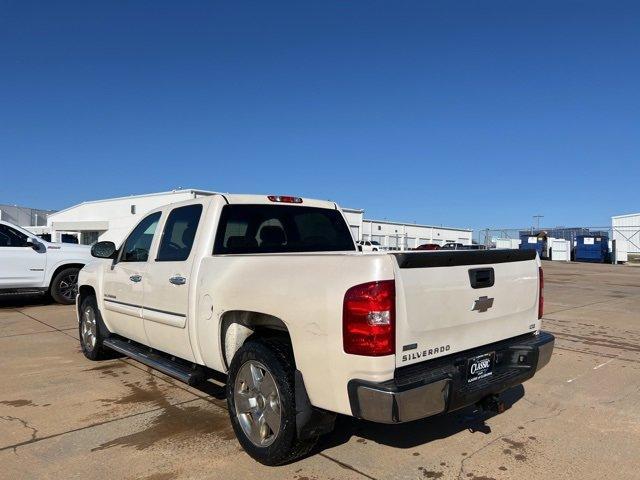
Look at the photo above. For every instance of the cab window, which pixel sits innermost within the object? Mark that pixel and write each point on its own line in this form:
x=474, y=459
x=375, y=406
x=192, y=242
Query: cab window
x=136, y=247
x=10, y=237
x=179, y=233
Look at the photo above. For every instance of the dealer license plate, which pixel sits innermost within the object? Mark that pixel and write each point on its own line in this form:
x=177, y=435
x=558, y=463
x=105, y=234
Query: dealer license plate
x=480, y=367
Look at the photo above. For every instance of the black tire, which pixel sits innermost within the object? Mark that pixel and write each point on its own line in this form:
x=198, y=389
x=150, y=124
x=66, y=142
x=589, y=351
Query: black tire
x=276, y=355
x=64, y=286
x=92, y=350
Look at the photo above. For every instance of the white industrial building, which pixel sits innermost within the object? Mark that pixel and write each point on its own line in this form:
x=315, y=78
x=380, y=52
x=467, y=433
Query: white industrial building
x=112, y=219
x=625, y=230
x=402, y=236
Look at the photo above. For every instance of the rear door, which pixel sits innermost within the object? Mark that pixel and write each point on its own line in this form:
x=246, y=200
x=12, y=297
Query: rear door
x=166, y=286
x=20, y=265
x=450, y=301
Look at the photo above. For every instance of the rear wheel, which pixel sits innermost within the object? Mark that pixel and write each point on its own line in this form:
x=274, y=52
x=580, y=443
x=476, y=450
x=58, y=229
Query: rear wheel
x=257, y=403
x=261, y=401
x=90, y=330
x=64, y=286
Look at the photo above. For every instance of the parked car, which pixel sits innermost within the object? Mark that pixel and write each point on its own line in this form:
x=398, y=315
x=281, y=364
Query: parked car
x=474, y=246
x=428, y=246
x=452, y=246
x=272, y=292
x=32, y=265
x=460, y=246
x=368, y=246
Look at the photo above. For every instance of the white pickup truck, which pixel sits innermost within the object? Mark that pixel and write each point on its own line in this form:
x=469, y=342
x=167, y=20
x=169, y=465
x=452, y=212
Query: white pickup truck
x=32, y=265
x=272, y=292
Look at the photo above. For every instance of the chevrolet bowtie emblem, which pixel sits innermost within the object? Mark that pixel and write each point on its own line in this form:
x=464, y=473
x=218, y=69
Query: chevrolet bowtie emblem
x=482, y=304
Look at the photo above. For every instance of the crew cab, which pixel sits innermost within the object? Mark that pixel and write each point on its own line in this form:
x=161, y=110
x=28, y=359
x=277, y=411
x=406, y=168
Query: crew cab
x=31, y=265
x=270, y=294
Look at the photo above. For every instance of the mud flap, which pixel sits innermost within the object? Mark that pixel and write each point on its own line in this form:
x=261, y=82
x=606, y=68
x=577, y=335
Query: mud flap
x=310, y=421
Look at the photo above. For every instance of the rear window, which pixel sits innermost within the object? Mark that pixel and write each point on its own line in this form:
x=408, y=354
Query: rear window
x=279, y=228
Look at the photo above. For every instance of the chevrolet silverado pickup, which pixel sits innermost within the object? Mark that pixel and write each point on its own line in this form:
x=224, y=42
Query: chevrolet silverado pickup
x=271, y=294
x=31, y=265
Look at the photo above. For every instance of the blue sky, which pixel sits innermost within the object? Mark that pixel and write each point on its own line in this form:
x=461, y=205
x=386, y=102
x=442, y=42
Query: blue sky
x=475, y=114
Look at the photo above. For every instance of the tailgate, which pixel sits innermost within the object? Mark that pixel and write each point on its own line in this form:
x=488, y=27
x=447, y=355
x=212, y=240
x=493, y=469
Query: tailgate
x=452, y=301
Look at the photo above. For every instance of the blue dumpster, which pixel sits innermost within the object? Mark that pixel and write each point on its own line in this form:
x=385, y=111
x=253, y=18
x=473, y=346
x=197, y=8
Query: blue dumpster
x=530, y=241
x=592, y=248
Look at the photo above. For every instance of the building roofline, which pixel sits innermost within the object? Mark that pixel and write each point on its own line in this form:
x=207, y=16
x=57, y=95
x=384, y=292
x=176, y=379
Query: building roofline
x=626, y=215
x=387, y=222
x=170, y=192
x=27, y=208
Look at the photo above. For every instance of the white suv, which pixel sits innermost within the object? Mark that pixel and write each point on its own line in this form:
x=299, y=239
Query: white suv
x=367, y=246
x=32, y=265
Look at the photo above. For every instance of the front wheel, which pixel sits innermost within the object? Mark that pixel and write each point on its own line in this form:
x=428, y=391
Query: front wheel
x=90, y=330
x=261, y=401
x=64, y=286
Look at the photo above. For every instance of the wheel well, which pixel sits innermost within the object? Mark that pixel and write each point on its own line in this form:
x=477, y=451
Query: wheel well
x=239, y=325
x=62, y=267
x=84, y=291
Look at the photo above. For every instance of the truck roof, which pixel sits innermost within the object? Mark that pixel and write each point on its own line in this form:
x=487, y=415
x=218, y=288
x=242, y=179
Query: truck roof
x=236, y=198
x=246, y=199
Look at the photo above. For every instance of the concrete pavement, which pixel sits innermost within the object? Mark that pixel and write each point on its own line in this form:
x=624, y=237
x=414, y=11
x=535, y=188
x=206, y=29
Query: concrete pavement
x=62, y=416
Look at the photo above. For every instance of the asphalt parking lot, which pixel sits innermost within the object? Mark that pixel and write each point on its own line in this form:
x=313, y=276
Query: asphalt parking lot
x=62, y=416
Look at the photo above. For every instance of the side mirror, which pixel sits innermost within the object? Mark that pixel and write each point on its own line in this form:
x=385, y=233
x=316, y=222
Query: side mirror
x=33, y=244
x=104, y=250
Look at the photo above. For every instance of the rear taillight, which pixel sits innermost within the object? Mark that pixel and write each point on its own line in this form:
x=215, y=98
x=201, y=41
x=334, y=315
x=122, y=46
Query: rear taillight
x=284, y=199
x=541, y=293
x=368, y=319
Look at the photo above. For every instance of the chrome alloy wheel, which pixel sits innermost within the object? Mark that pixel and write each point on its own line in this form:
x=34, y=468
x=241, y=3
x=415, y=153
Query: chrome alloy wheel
x=68, y=286
x=257, y=403
x=89, y=328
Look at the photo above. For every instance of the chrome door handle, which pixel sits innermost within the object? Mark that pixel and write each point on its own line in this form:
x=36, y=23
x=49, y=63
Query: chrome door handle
x=135, y=278
x=178, y=280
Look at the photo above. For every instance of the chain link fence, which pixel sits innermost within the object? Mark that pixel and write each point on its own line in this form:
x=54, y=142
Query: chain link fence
x=627, y=237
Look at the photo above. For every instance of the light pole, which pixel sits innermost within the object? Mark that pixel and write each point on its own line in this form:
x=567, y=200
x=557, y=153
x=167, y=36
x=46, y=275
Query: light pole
x=538, y=217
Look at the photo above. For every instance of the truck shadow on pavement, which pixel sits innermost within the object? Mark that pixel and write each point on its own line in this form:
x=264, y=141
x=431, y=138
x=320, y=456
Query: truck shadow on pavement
x=419, y=432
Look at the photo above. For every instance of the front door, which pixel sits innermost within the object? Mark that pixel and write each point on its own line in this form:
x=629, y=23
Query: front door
x=20, y=265
x=124, y=282
x=166, y=287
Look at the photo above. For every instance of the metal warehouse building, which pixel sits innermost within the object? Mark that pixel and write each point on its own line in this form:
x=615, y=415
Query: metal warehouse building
x=24, y=216
x=400, y=235
x=625, y=231
x=111, y=219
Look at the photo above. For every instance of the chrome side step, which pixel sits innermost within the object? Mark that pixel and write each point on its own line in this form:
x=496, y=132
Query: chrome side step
x=187, y=373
